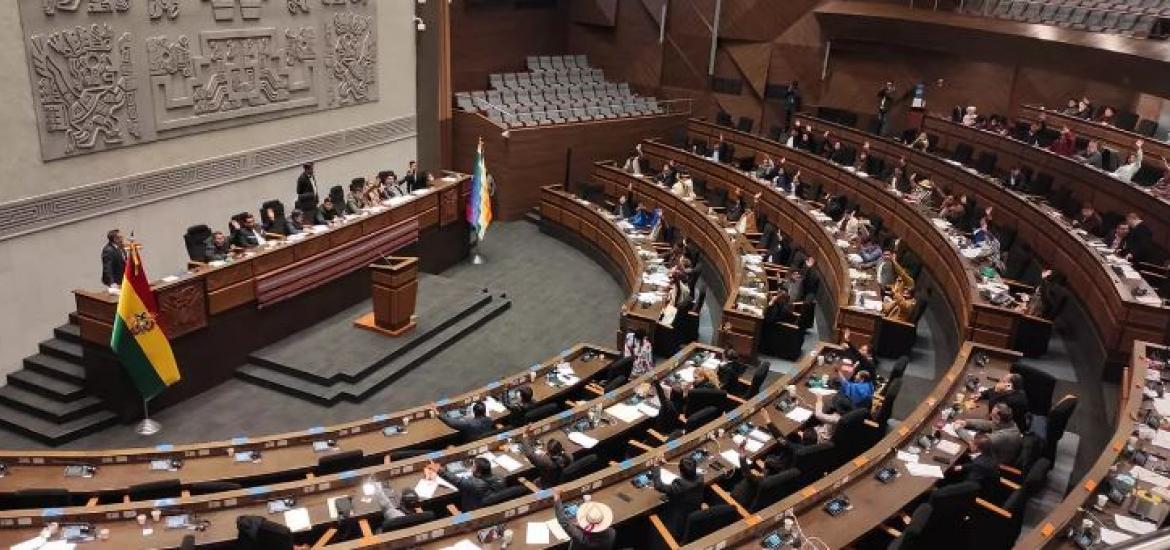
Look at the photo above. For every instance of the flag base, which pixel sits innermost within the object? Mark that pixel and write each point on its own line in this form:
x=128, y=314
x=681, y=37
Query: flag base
x=148, y=427
x=476, y=259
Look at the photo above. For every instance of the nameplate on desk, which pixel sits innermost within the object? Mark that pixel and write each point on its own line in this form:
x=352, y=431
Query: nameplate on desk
x=808, y=492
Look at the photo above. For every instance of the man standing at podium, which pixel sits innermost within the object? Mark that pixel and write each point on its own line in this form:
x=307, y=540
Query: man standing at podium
x=113, y=259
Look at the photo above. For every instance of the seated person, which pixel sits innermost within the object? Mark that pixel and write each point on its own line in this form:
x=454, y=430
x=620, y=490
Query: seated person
x=217, y=249
x=1161, y=188
x=862, y=357
x=766, y=170
x=835, y=207
x=474, y=488
x=983, y=467
x=645, y=218
x=668, y=175
x=247, y=234
x=901, y=303
x=636, y=163
x=856, y=387
x=327, y=213
x=779, y=309
x=1009, y=390
x=737, y=208
x=592, y=529
x=355, y=202
x=519, y=405
x=923, y=193
x=389, y=186
x=624, y=208
x=870, y=254
x=394, y=504
x=1133, y=163
x=1000, y=427
x=471, y=427
x=550, y=462
x=683, y=186
x=683, y=495
x=777, y=460
x=1089, y=220
x=730, y=370
x=296, y=222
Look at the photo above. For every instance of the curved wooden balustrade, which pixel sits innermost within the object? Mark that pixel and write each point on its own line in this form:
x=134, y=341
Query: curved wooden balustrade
x=284, y=456
x=873, y=502
x=611, y=483
x=626, y=257
x=975, y=317
x=221, y=509
x=1050, y=531
x=1108, y=136
x=1087, y=184
x=1119, y=316
x=721, y=246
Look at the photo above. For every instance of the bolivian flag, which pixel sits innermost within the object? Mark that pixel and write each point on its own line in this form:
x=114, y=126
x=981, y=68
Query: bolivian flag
x=138, y=340
x=479, y=204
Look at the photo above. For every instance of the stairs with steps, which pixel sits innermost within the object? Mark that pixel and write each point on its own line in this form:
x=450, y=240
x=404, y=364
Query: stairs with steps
x=533, y=215
x=46, y=399
x=358, y=384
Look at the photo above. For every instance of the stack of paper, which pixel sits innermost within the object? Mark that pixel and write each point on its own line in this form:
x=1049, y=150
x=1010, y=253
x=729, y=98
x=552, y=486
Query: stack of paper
x=949, y=447
x=825, y=392
x=494, y=406
x=917, y=469
x=582, y=440
x=508, y=463
x=1162, y=439
x=1135, y=526
x=555, y=529
x=731, y=457
x=536, y=534
x=760, y=435
x=907, y=457
x=686, y=374
x=799, y=414
x=666, y=476
x=1151, y=477
x=626, y=413
x=463, y=545
x=751, y=445
x=297, y=520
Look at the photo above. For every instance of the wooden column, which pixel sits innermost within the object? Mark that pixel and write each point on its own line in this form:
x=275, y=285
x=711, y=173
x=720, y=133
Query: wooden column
x=394, y=288
x=433, y=86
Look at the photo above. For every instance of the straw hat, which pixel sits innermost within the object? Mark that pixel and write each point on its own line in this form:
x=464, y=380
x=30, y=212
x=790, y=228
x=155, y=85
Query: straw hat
x=594, y=517
x=925, y=183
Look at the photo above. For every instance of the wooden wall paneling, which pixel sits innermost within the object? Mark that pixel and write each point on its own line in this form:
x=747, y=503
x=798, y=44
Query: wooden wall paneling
x=594, y=12
x=760, y=20
x=628, y=51
x=496, y=38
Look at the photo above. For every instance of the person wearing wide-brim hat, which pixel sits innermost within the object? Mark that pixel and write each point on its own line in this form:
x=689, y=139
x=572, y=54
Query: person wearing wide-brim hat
x=591, y=529
x=923, y=192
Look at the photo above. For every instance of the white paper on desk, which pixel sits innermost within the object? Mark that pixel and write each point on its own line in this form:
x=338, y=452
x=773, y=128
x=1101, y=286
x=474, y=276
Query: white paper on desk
x=536, y=534
x=949, y=447
x=1135, y=526
x=555, y=529
x=1162, y=439
x=760, y=435
x=907, y=457
x=872, y=305
x=711, y=363
x=731, y=456
x=949, y=429
x=666, y=476
x=508, y=463
x=494, y=406
x=917, y=469
x=59, y=545
x=842, y=243
x=582, y=440
x=464, y=544
x=648, y=409
x=1154, y=375
x=686, y=374
x=751, y=445
x=1111, y=537
x=626, y=413
x=1150, y=476
x=297, y=520
x=1162, y=405
x=799, y=414
x=30, y=544
x=824, y=392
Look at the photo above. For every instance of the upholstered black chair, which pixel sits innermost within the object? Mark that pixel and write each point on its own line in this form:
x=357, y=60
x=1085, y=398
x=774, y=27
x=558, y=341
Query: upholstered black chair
x=704, y=522
x=195, y=241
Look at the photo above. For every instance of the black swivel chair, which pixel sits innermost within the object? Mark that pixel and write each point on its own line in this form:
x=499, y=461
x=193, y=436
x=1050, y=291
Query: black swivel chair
x=757, y=381
x=1056, y=424
x=506, y=494
x=950, y=507
x=701, y=398
x=899, y=368
x=911, y=537
x=700, y=418
x=701, y=523
x=773, y=489
x=339, y=462
x=812, y=461
x=889, y=397
x=409, y=520
x=1038, y=386
x=154, y=490
x=257, y=533
x=580, y=468
x=195, y=240
x=209, y=487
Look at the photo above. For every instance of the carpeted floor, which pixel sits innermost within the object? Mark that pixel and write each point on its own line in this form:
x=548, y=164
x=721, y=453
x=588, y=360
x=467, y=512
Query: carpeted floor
x=560, y=297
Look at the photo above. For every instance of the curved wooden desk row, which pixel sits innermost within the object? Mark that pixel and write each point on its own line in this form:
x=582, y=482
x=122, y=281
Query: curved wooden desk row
x=1109, y=136
x=1087, y=184
x=795, y=218
x=283, y=455
x=721, y=245
x=873, y=501
x=976, y=318
x=1118, y=315
x=1051, y=531
x=313, y=493
x=629, y=257
x=612, y=485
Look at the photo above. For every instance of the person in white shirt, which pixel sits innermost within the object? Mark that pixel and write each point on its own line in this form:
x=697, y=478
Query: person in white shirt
x=1126, y=171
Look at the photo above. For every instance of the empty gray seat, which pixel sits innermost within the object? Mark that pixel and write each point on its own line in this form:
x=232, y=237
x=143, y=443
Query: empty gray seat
x=510, y=81
x=464, y=102
x=582, y=61
x=497, y=80
x=533, y=63
x=526, y=119
x=582, y=114
x=509, y=97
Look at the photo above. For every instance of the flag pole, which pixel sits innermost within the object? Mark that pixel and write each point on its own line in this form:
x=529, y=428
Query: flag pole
x=476, y=257
x=148, y=426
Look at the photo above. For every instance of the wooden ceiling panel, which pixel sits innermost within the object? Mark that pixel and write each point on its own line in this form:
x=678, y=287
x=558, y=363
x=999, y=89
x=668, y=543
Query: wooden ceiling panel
x=753, y=60
x=594, y=12
x=760, y=20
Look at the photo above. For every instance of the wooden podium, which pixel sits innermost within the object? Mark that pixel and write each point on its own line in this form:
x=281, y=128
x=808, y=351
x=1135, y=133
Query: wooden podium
x=394, y=288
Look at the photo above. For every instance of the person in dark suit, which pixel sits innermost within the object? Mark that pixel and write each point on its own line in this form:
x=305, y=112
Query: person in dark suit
x=730, y=370
x=779, y=308
x=781, y=252
x=474, y=427
x=1089, y=220
x=592, y=529
x=1016, y=180
x=1138, y=243
x=777, y=461
x=247, y=234
x=519, y=405
x=983, y=467
x=683, y=496
x=669, y=174
x=1001, y=430
x=812, y=281
x=327, y=213
x=113, y=258
x=411, y=179
x=1010, y=390
x=885, y=100
x=792, y=103
x=550, y=464
x=721, y=151
x=307, y=183
x=474, y=488
x=217, y=248
x=862, y=357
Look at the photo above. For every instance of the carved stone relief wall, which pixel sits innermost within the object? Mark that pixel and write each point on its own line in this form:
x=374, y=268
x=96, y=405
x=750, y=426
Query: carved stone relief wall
x=112, y=73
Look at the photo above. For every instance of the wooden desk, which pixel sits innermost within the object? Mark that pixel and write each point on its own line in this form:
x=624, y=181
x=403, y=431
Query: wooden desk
x=873, y=501
x=955, y=276
x=1117, y=314
x=628, y=256
x=222, y=509
x=722, y=246
x=284, y=456
x=611, y=485
x=1050, y=531
x=1110, y=137
x=215, y=316
x=1087, y=184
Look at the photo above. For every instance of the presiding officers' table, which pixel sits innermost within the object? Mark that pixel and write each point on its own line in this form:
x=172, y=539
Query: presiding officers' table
x=215, y=315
